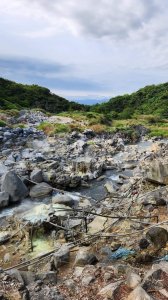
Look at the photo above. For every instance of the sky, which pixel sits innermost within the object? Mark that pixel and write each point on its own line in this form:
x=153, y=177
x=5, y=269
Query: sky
x=84, y=49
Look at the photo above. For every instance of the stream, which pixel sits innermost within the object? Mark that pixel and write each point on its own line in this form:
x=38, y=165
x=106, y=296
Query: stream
x=96, y=189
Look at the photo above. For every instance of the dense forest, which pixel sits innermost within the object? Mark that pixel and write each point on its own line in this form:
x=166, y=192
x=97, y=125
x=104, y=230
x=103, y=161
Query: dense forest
x=17, y=96
x=148, y=100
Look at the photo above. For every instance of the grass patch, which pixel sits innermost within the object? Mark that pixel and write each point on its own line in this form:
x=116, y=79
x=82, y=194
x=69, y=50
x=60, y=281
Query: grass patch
x=50, y=128
x=158, y=132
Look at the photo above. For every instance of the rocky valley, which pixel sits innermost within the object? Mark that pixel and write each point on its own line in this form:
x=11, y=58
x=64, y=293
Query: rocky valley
x=83, y=214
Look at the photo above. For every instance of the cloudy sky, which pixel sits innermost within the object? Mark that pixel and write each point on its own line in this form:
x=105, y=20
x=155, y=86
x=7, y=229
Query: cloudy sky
x=84, y=48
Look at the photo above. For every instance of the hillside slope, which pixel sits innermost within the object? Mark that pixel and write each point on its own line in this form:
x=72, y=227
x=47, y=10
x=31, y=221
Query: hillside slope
x=16, y=96
x=148, y=100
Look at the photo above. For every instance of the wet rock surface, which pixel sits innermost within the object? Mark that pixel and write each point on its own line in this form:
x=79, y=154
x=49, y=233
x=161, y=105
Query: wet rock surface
x=83, y=216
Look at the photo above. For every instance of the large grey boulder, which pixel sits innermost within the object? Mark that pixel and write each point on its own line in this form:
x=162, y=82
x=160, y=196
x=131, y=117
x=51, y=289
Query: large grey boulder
x=12, y=184
x=158, y=172
x=4, y=199
x=40, y=190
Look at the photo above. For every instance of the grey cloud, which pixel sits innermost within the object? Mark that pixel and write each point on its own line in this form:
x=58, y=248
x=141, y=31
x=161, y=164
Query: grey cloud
x=52, y=75
x=104, y=17
x=29, y=65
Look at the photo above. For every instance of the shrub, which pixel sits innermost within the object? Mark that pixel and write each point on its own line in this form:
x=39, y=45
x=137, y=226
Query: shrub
x=154, y=119
x=59, y=128
x=51, y=128
x=2, y=123
x=98, y=128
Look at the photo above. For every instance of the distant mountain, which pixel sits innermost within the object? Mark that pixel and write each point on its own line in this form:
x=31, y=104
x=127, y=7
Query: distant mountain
x=151, y=99
x=88, y=100
x=17, y=96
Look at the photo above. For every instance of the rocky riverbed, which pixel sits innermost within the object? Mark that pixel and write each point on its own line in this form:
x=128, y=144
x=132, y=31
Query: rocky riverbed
x=83, y=215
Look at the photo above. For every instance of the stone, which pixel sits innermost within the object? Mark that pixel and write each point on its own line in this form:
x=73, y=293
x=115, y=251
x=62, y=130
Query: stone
x=36, y=176
x=133, y=280
x=139, y=294
x=85, y=257
x=158, y=236
x=155, y=280
x=28, y=277
x=7, y=258
x=4, y=199
x=161, y=202
x=4, y=237
x=78, y=271
x=111, y=187
x=40, y=190
x=63, y=199
x=44, y=293
x=158, y=172
x=13, y=185
x=143, y=243
x=61, y=257
x=69, y=283
x=108, y=290
x=108, y=276
x=86, y=280
x=14, y=273
x=99, y=223
x=47, y=278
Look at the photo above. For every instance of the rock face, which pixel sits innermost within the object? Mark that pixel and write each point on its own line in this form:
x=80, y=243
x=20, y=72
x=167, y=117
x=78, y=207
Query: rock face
x=158, y=172
x=13, y=185
x=40, y=190
x=158, y=236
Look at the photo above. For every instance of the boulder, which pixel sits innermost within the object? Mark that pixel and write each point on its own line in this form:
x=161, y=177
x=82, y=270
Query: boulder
x=158, y=236
x=4, y=199
x=4, y=237
x=63, y=199
x=85, y=257
x=133, y=280
x=139, y=294
x=61, y=257
x=28, y=277
x=158, y=172
x=156, y=278
x=40, y=190
x=47, y=278
x=108, y=290
x=36, y=176
x=111, y=187
x=13, y=185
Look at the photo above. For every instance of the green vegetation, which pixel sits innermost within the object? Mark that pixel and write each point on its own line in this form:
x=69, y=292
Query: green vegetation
x=148, y=100
x=148, y=107
x=17, y=96
x=54, y=128
x=2, y=123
